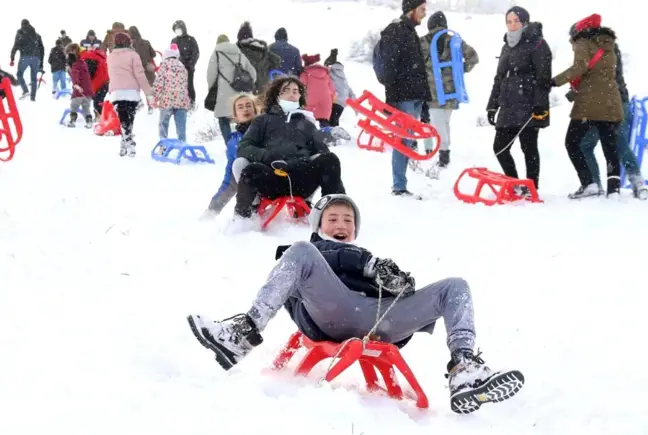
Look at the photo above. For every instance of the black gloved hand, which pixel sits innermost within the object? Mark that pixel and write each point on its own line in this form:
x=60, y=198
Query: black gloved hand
x=389, y=276
x=490, y=114
x=292, y=164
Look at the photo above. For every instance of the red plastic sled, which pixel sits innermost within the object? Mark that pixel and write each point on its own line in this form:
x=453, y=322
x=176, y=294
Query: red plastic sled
x=390, y=126
x=9, y=112
x=296, y=206
x=373, y=356
x=109, y=124
x=499, y=184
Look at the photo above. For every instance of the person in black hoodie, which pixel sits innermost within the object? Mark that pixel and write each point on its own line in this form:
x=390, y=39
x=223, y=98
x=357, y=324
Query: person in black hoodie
x=521, y=94
x=32, y=54
x=285, y=138
x=189, y=54
x=57, y=61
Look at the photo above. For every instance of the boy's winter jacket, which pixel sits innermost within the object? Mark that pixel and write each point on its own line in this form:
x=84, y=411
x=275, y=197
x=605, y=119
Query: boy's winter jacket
x=320, y=90
x=291, y=61
x=126, y=71
x=189, y=51
x=343, y=90
x=81, y=77
x=97, y=66
x=57, y=59
x=171, y=85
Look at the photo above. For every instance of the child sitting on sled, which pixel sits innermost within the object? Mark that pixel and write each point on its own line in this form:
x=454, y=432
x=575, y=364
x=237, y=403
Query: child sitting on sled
x=330, y=287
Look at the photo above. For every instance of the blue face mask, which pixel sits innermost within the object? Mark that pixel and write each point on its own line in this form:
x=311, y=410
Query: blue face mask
x=288, y=106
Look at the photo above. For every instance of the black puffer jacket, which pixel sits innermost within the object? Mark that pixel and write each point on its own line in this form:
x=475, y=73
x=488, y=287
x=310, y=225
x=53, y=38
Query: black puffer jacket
x=348, y=263
x=522, y=81
x=187, y=45
x=29, y=43
x=405, y=74
x=271, y=138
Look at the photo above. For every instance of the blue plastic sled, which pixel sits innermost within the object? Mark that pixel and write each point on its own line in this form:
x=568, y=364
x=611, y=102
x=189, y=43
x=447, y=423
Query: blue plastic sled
x=67, y=111
x=193, y=153
x=456, y=64
x=637, y=140
x=63, y=92
x=276, y=73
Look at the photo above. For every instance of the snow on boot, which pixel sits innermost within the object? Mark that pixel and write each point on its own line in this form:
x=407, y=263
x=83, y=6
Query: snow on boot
x=73, y=119
x=639, y=189
x=586, y=191
x=406, y=193
x=472, y=383
x=230, y=339
x=88, y=121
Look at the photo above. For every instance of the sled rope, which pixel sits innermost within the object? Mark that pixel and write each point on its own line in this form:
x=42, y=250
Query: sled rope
x=373, y=329
x=515, y=137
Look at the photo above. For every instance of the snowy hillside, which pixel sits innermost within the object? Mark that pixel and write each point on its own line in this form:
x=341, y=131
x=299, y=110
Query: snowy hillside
x=102, y=257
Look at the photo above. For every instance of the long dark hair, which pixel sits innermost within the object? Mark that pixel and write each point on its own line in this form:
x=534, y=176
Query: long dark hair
x=277, y=85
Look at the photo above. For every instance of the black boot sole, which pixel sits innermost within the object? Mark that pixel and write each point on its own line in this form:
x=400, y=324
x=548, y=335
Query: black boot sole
x=223, y=356
x=497, y=389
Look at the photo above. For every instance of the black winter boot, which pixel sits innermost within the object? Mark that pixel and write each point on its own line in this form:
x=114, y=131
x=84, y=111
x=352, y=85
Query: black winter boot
x=444, y=158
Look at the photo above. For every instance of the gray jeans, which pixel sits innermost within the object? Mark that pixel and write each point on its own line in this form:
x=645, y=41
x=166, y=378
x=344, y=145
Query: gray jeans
x=340, y=313
x=440, y=120
x=83, y=103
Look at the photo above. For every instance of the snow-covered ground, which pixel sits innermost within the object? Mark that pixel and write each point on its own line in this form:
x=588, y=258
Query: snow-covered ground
x=102, y=257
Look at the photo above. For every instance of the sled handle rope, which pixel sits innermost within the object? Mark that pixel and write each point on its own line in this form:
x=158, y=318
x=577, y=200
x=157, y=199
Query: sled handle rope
x=515, y=137
x=282, y=173
x=373, y=329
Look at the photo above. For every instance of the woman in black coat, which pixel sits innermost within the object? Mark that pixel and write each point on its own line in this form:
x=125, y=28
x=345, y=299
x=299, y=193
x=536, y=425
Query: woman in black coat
x=521, y=93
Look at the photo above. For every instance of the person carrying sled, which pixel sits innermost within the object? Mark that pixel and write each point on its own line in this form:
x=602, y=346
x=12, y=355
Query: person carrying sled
x=82, y=88
x=285, y=138
x=244, y=108
x=333, y=290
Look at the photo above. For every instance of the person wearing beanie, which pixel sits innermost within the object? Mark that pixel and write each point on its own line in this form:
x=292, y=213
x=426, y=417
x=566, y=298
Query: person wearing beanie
x=343, y=90
x=320, y=94
x=127, y=81
x=258, y=53
x=171, y=93
x=291, y=61
x=32, y=55
x=189, y=55
x=58, y=64
x=519, y=101
x=440, y=114
x=405, y=79
x=91, y=42
x=220, y=73
x=596, y=103
x=108, y=43
x=330, y=287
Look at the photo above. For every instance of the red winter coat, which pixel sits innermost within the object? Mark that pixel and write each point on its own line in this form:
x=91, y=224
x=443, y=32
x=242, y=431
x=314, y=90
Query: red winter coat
x=320, y=90
x=81, y=77
x=97, y=66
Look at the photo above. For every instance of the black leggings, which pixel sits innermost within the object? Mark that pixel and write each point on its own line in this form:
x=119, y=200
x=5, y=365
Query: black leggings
x=126, y=112
x=190, y=85
x=335, y=115
x=99, y=97
x=608, y=132
x=529, y=144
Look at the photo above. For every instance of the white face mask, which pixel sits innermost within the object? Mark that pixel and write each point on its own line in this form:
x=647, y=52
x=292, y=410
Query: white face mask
x=178, y=32
x=288, y=106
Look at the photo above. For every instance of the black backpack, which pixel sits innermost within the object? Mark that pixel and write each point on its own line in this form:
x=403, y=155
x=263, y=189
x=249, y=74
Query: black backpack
x=242, y=80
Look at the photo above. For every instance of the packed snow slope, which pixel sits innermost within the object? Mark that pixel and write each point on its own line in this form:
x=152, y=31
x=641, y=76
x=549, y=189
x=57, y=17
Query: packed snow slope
x=102, y=257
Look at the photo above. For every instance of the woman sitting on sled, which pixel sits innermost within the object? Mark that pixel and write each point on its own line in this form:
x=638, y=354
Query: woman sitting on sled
x=330, y=287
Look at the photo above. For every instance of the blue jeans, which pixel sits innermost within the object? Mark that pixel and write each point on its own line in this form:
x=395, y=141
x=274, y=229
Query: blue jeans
x=399, y=161
x=33, y=63
x=180, y=118
x=626, y=156
x=59, y=77
x=225, y=127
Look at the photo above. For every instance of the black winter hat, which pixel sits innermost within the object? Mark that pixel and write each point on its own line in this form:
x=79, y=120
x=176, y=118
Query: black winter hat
x=437, y=19
x=332, y=58
x=245, y=32
x=410, y=5
x=522, y=14
x=281, y=34
x=91, y=33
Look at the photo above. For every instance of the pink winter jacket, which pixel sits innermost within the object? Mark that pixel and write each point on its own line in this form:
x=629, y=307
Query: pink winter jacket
x=170, y=86
x=126, y=71
x=319, y=90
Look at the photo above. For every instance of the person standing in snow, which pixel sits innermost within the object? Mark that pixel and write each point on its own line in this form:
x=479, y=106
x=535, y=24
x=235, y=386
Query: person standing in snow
x=220, y=73
x=343, y=90
x=439, y=115
x=98, y=67
x=32, y=54
x=172, y=94
x=57, y=61
x=145, y=51
x=189, y=54
x=91, y=42
x=82, y=88
x=330, y=287
x=258, y=54
x=319, y=89
x=291, y=61
x=405, y=80
x=127, y=80
x=520, y=95
x=108, y=43
x=65, y=39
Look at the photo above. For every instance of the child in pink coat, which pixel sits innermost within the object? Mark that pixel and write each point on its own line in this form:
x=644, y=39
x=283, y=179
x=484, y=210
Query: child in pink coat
x=127, y=80
x=319, y=87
